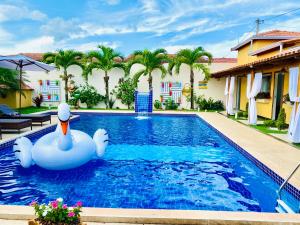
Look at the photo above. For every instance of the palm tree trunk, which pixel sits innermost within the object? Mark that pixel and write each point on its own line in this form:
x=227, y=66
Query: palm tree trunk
x=150, y=81
x=192, y=88
x=66, y=86
x=106, y=78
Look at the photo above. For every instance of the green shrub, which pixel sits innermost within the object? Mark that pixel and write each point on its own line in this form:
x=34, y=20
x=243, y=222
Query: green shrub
x=209, y=104
x=157, y=104
x=125, y=91
x=170, y=104
x=86, y=94
x=280, y=123
x=270, y=123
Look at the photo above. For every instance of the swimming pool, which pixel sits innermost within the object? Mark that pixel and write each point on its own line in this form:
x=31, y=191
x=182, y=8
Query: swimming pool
x=165, y=162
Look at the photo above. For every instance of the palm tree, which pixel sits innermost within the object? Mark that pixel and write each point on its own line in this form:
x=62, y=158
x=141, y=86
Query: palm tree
x=63, y=59
x=105, y=59
x=191, y=58
x=9, y=81
x=151, y=61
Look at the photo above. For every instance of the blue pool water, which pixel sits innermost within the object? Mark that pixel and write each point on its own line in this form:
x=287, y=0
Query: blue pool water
x=165, y=162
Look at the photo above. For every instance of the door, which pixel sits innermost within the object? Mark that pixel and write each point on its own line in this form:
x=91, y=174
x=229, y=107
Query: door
x=238, y=93
x=278, y=92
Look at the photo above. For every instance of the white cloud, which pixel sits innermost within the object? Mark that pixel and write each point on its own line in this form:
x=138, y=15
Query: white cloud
x=172, y=49
x=89, y=29
x=12, y=12
x=89, y=46
x=149, y=6
x=60, y=28
x=112, y=2
x=221, y=49
x=5, y=36
x=40, y=44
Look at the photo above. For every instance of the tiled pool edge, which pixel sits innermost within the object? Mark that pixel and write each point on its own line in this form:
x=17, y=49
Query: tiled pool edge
x=278, y=179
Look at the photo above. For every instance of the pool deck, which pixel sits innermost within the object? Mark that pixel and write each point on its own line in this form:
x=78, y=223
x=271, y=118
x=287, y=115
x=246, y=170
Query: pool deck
x=277, y=155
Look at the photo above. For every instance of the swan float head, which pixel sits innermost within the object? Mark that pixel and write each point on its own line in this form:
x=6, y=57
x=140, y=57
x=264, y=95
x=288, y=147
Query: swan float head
x=64, y=134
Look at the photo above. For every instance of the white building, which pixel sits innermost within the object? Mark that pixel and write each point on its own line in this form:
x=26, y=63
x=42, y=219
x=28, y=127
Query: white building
x=214, y=88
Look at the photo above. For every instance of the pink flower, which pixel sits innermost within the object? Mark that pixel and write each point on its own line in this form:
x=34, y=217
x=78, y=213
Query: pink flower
x=54, y=204
x=65, y=206
x=33, y=203
x=79, y=204
x=71, y=214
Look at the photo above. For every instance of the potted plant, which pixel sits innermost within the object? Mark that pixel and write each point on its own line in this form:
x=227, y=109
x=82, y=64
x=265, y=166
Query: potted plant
x=56, y=213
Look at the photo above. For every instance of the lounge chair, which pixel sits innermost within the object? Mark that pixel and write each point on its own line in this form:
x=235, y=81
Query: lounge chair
x=15, y=124
x=8, y=113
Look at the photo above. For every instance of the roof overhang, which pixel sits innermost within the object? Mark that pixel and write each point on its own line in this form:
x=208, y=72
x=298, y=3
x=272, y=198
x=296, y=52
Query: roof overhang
x=261, y=38
x=259, y=64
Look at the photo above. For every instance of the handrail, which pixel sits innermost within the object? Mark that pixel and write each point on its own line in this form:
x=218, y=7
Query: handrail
x=286, y=181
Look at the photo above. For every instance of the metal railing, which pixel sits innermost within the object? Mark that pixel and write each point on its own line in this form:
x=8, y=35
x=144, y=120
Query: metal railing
x=286, y=181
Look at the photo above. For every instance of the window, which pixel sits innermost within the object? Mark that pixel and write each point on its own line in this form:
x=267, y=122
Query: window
x=265, y=87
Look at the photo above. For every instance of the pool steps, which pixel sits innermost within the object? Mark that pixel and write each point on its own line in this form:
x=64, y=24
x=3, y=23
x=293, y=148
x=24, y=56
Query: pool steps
x=281, y=206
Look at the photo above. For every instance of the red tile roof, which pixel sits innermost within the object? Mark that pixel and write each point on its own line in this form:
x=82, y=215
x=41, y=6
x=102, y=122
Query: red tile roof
x=236, y=70
x=35, y=56
x=224, y=60
x=269, y=35
x=279, y=33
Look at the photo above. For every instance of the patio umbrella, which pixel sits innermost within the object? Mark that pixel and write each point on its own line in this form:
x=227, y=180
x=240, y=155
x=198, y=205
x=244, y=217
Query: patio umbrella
x=21, y=62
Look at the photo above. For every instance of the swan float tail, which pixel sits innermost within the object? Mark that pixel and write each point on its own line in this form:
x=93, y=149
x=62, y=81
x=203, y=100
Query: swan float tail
x=23, y=151
x=101, y=140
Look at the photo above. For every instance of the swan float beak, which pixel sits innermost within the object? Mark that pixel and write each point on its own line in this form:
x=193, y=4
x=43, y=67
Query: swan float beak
x=64, y=126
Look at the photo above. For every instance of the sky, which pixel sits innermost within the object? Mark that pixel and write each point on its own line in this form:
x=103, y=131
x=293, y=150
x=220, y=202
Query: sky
x=128, y=25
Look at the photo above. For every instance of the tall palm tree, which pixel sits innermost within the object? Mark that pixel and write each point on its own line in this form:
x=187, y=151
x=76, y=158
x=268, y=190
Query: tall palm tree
x=191, y=58
x=9, y=81
x=105, y=59
x=151, y=61
x=63, y=59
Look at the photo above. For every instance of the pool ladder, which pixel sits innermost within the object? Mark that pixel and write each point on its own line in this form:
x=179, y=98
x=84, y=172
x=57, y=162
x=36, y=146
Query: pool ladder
x=281, y=206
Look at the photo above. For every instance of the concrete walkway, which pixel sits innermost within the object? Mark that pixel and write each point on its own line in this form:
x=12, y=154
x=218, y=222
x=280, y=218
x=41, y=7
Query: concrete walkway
x=277, y=155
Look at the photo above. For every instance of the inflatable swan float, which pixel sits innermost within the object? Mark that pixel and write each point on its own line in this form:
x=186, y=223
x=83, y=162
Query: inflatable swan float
x=62, y=149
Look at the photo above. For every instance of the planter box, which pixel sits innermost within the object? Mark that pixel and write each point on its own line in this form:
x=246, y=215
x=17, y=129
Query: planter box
x=33, y=222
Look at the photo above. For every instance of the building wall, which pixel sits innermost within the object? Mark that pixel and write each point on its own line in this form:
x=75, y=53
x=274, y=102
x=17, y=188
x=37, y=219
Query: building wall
x=265, y=106
x=12, y=99
x=243, y=53
x=215, y=88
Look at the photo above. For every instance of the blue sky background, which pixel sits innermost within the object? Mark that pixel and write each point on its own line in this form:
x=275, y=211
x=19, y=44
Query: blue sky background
x=128, y=25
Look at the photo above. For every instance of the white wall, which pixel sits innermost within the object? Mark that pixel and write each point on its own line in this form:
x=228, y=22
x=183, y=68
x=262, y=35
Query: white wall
x=215, y=88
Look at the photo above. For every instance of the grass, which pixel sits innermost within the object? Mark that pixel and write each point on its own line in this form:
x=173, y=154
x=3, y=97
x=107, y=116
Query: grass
x=32, y=109
x=267, y=130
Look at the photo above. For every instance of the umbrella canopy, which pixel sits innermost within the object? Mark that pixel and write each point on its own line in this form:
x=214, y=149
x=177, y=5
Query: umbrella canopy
x=21, y=62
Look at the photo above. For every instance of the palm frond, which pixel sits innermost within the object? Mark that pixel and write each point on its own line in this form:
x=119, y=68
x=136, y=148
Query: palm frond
x=203, y=68
x=137, y=76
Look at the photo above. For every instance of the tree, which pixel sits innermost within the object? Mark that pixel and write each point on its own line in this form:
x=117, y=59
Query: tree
x=63, y=60
x=191, y=58
x=105, y=59
x=151, y=61
x=125, y=91
x=9, y=81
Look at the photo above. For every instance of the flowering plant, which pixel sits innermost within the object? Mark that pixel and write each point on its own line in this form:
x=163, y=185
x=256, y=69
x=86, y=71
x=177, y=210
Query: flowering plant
x=56, y=212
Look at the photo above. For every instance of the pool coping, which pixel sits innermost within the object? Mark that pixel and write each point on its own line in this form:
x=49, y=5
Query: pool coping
x=158, y=216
